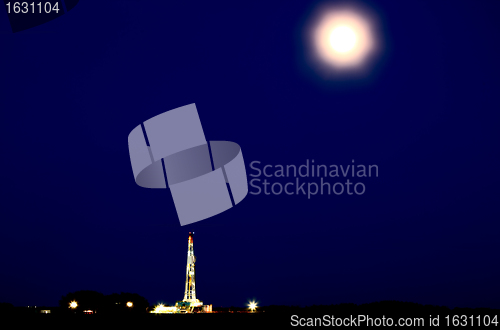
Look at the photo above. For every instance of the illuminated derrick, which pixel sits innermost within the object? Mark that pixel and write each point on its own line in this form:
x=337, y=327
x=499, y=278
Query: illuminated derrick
x=190, y=292
x=190, y=301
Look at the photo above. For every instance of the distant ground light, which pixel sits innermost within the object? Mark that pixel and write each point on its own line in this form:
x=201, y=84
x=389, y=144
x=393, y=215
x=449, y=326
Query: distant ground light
x=252, y=305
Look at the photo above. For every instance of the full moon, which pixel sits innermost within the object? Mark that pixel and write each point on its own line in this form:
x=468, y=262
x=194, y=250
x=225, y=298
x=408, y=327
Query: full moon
x=343, y=38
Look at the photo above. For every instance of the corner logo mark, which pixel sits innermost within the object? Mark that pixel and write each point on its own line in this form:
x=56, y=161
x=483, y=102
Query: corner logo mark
x=205, y=178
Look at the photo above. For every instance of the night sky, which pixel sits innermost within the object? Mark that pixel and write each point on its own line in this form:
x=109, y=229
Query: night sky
x=426, y=230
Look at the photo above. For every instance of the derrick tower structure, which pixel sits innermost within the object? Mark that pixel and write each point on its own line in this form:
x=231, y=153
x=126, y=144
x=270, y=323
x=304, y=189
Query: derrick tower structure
x=190, y=300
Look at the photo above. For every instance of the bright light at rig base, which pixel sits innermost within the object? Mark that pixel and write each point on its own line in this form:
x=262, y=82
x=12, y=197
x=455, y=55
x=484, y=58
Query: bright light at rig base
x=73, y=304
x=252, y=305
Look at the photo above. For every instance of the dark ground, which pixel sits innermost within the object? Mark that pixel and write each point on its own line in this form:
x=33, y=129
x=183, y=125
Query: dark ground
x=274, y=317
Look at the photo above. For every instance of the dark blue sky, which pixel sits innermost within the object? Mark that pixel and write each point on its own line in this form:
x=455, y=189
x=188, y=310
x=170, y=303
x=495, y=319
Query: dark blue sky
x=425, y=231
